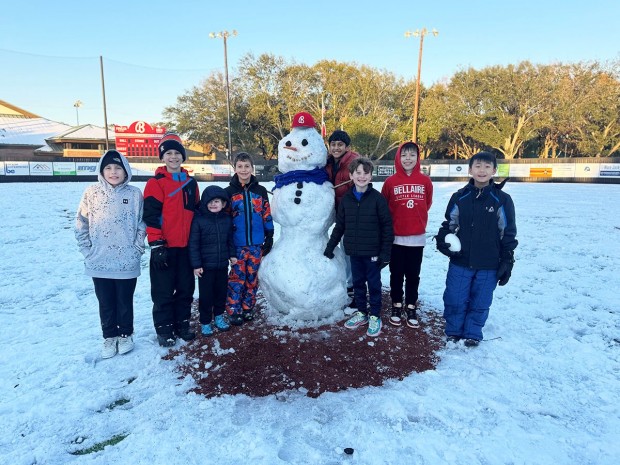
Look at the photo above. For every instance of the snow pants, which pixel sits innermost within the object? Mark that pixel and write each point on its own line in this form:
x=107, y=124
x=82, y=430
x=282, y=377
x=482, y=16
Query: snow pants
x=115, y=298
x=243, y=280
x=212, y=294
x=467, y=299
x=405, y=266
x=366, y=278
x=172, y=291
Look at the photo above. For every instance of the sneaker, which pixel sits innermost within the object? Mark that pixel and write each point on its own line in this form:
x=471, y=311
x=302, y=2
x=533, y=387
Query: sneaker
x=221, y=323
x=248, y=315
x=358, y=319
x=412, y=317
x=374, y=326
x=397, y=312
x=186, y=334
x=125, y=344
x=207, y=330
x=109, y=347
x=453, y=339
x=235, y=319
x=471, y=342
x=166, y=340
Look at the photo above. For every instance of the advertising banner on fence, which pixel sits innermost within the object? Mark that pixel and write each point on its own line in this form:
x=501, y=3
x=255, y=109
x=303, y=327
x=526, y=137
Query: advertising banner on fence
x=144, y=169
x=1, y=168
x=459, y=171
x=64, y=168
x=440, y=171
x=86, y=168
x=519, y=171
x=503, y=170
x=586, y=170
x=610, y=170
x=17, y=168
x=541, y=171
x=203, y=169
x=222, y=170
x=383, y=170
x=40, y=168
x=563, y=170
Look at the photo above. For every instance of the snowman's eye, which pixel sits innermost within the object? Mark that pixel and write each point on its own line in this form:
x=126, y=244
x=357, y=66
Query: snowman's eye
x=288, y=143
x=304, y=142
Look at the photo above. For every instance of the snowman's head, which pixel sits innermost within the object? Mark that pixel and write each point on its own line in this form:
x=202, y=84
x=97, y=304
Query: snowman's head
x=303, y=148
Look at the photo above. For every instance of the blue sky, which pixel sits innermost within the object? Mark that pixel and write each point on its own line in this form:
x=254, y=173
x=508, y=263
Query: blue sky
x=154, y=51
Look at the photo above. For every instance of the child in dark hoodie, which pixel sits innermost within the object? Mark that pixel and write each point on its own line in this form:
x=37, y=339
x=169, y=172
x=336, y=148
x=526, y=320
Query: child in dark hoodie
x=409, y=194
x=210, y=249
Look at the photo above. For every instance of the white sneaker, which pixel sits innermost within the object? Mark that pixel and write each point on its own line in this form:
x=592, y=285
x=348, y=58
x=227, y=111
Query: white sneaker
x=109, y=347
x=125, y=344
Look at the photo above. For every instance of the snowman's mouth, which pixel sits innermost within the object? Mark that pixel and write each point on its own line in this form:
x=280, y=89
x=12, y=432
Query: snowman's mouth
x=305, y=157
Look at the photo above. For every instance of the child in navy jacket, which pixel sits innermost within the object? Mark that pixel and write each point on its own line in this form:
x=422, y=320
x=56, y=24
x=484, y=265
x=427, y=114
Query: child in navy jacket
x=483, y=218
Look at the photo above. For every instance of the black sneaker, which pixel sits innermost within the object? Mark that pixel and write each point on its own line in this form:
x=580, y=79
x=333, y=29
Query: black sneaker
x=248, y=316
x=235, y=319
x=395, y=318
x=471, y=342
x=453, y=339
x=412, y=317
x=166, y=340
x=186, y=334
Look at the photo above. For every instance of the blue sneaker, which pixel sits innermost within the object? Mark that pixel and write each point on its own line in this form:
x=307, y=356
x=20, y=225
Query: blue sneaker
x=374, y=326
x=221, y=323
x=207, y=330
x=358, y=319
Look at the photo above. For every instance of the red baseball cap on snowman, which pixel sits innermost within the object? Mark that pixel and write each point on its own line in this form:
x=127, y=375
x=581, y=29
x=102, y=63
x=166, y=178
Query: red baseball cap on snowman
x=303, y=119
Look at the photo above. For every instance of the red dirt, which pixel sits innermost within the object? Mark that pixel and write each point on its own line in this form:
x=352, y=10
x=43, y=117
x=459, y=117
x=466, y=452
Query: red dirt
x=258, y=359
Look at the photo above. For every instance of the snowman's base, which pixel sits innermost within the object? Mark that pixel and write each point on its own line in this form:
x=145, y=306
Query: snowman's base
x=258, y=359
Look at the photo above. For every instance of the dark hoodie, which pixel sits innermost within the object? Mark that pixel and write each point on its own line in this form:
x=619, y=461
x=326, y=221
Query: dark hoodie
x=210, y=238
x=409, y=197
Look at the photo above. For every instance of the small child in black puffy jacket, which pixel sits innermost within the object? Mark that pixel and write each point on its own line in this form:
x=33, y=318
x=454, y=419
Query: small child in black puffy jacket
x=211, y=248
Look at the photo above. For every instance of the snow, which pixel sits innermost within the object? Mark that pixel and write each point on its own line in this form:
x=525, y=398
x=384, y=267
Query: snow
x=543, y=388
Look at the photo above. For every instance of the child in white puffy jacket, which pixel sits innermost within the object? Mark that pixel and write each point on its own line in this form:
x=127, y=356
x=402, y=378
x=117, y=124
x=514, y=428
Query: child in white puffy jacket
x=110, y=234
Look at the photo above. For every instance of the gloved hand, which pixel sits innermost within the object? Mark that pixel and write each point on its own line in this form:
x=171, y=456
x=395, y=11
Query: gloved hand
x=504, y=271
x=329, y=254
x=267, y=245
x=442, y=245
x=383, y=262
x=159, y=257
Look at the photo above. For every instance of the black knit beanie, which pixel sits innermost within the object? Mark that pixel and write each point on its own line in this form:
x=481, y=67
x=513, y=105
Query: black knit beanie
x=341, y=136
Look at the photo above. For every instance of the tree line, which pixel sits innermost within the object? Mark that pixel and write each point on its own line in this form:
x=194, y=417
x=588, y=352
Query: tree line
x=518, y=111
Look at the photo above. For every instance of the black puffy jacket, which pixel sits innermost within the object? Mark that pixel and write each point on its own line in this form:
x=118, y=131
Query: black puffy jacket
x=366, y=225
x=484, y=221
x=211, y=235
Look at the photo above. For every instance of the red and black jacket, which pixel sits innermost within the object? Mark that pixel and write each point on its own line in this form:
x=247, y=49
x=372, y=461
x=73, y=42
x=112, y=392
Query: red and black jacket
x=170, y=200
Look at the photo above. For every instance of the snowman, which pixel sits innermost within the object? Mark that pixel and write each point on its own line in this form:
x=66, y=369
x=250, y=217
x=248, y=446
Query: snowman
x=300, y=284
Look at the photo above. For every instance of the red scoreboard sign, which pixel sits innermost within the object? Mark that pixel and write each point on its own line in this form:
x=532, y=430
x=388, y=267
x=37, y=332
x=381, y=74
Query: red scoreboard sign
x=139, y=139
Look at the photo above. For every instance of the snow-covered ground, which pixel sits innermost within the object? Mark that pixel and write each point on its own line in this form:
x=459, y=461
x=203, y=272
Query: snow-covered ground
x=543, y=389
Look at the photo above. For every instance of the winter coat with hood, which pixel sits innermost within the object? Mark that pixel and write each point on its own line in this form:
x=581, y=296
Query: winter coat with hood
x=109, y=227
x=484, y=220
x=409, y=197
x=210, y=238
x=338, y=172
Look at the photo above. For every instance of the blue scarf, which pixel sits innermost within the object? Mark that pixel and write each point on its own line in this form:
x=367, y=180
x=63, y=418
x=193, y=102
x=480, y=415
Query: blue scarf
x=317, y=176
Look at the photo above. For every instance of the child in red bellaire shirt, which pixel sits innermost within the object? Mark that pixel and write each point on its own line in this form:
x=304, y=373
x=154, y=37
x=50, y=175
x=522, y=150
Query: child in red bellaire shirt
x=409, y=194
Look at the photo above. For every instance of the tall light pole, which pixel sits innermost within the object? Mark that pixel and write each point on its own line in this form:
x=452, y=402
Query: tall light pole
x=225, y=35
x=77, y=104
x=418, y=33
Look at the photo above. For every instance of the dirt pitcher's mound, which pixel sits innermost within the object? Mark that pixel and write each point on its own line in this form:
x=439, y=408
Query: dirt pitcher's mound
x=258, y=359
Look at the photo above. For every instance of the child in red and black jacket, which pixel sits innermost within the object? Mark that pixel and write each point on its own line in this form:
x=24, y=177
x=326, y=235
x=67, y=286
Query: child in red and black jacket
x=410, y=195
x=170, y=199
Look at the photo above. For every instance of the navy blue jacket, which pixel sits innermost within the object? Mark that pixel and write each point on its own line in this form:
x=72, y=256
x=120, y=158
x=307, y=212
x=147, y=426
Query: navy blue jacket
x=366, y=225
x=210, y=237
x=484, y=221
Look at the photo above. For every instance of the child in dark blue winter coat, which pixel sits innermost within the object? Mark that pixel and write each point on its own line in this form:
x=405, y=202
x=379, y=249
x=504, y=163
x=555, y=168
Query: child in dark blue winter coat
x=210, y=250
x=483, y=218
